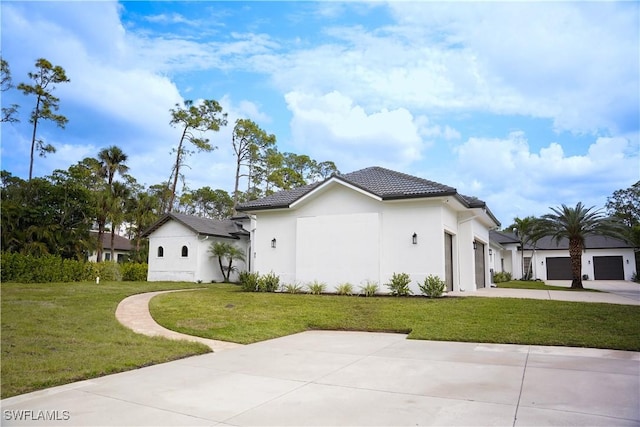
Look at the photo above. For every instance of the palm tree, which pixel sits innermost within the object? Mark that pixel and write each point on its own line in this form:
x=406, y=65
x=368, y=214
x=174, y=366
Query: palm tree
x=112, y=161
x=525, y=230
x=228, y=251
x=574, y=224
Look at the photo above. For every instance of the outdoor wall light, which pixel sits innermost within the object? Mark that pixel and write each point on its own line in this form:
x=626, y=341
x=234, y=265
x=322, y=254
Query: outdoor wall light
x=589, y=262
x=414, y=239
x=490, y=252
x=273, y=242
x=475, y=245
x=627, y=261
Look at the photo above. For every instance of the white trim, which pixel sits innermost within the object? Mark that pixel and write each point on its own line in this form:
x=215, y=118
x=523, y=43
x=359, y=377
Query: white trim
x=329, y=182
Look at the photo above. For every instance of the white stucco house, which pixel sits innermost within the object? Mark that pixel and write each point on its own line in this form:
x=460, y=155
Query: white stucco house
x=121, y=247
x=366, y=225
x=604, y=258
x=179, y=247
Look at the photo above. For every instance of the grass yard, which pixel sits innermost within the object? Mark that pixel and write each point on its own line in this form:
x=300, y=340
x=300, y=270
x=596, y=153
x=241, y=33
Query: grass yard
x=224, y=312
x=58, y=333
x=530, y=284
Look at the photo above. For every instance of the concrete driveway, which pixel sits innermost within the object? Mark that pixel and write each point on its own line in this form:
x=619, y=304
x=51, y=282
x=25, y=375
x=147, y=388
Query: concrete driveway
x=354, y=378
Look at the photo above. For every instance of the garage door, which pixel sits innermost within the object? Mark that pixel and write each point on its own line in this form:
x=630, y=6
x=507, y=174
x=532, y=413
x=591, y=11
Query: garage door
x=559, y=268
x=608, y=268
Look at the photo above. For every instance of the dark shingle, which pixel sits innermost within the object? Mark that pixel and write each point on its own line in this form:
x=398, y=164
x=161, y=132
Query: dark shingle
x=209, y=227
x=384, y=183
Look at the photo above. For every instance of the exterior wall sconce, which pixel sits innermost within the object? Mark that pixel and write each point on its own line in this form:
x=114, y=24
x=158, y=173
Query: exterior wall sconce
x=273, y=242
x=541, y=262
x=490, y=251
x=627, y=261
x=589, y=262
x=475, y=245
x=414, y=239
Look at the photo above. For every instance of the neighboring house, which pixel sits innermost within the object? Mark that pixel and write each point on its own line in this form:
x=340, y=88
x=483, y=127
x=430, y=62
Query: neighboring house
x=366, y=225
x=604, y=258
x=179, y=247
x=121, y=245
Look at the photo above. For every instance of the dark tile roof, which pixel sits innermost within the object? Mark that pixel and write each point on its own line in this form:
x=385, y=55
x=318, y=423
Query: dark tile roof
x=209, y=227
x=548, y=243
x=503, y=238
x=381, y=182
x=119, y=243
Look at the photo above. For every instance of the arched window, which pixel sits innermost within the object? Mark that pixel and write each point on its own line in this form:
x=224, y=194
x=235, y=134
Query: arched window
x=185, y=251
x=160, y=251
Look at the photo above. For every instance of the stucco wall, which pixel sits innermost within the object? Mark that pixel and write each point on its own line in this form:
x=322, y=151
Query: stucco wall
x=540, y=267
x=341, y=235
x=197, y=266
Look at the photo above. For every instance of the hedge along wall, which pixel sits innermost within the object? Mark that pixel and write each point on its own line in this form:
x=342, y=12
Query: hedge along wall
x=15, y=267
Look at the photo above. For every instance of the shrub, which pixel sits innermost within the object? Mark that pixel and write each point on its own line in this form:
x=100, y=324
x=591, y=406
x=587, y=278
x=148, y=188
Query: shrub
x=369, y=289
x=501, y=276
x=399, y=285
x=268, y=282
x=635, y=277
x=108, y=271
x=293, y=288
x=134, y=272
x=16, y=267
x=344, y=289
x=433, y=286
x=316, y=288
x=248, y=281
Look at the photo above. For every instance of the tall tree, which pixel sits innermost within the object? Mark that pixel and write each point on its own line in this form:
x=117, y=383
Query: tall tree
x=207, y=203
x=8, y=113
x=119, y=196
x=249, y=144
x=625, y=205
x=525, y=231
x=45, y=78
x=207, y=116
x=574, y=224
x=112, y=162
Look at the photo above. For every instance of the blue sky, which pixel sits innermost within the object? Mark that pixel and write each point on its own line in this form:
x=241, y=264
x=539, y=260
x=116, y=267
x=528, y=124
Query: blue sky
x=524, y=105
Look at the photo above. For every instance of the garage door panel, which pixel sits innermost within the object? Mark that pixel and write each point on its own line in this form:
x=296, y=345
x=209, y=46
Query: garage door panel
x=559, y=268
x=608, y=268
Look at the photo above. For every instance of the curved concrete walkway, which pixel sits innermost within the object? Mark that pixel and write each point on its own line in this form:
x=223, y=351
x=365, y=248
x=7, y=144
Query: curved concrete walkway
x=133, y=312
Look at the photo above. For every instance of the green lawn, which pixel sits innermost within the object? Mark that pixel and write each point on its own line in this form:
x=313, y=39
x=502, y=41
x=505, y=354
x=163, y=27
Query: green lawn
x=530, y=284
x=224, y=312
x=58, y=333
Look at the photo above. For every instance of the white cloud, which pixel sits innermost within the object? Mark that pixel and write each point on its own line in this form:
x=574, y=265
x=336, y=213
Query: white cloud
x=332, y=127
x=515, y=181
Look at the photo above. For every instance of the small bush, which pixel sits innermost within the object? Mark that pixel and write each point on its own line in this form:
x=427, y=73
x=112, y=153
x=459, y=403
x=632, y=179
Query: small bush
x=635, y=277
x=293, y=288
x=501, y=276
x=344, y=289
x=433, y=286
x=134, y=272
x=248, y=281
x=316, y=288
x=108, y=271
x=369, y=289
x=268, y=282
x=399, y=285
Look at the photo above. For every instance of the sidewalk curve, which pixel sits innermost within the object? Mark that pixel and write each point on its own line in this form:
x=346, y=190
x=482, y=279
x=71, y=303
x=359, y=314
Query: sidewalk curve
x=133, y=312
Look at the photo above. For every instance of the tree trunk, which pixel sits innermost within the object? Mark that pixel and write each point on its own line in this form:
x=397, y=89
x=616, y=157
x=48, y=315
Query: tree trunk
x=113, y=233
x=33, y=136
x=100, y=233
x=575, y=252
x=224, y=277
x=176, y=171
x=235, y=189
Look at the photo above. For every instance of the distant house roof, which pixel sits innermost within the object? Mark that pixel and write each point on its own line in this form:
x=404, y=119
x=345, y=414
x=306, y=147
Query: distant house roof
x=227, y=228
x=119, y=243
x=383, y=183
x=548, y=243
